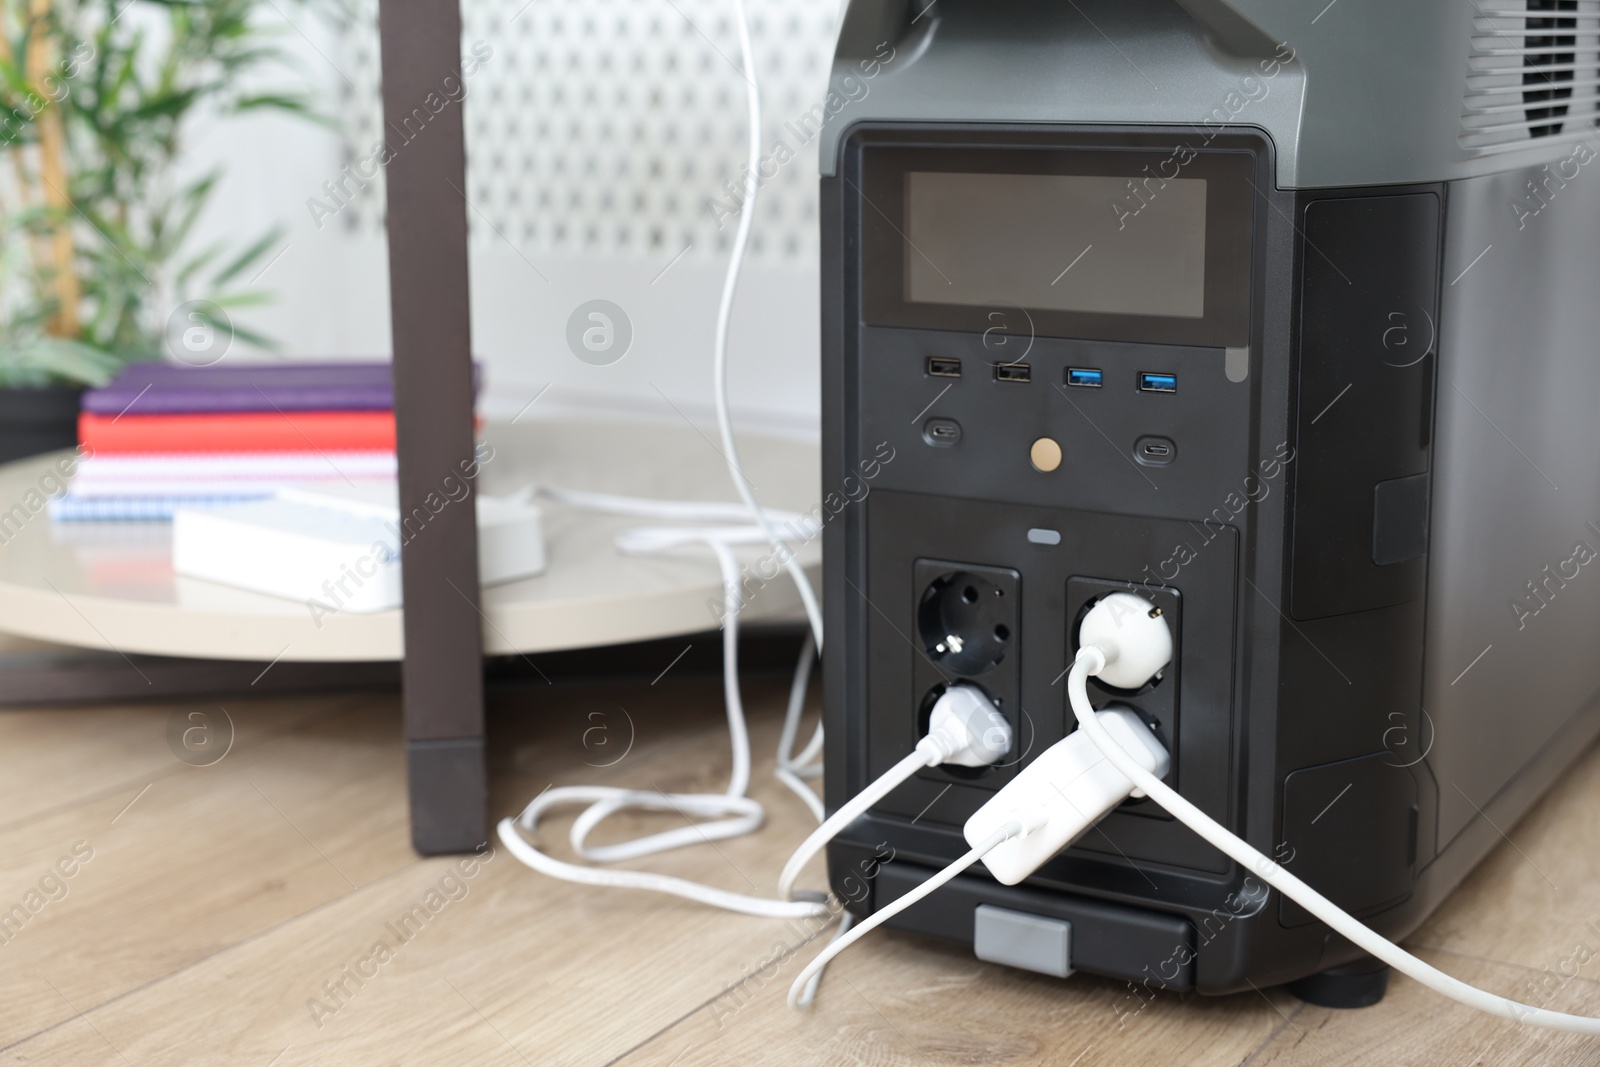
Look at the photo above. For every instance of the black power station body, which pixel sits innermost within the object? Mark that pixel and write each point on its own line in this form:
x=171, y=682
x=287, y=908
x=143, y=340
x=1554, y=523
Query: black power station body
x=1157, y=297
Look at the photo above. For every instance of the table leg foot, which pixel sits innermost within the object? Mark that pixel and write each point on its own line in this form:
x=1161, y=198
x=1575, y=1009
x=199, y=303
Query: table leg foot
x=449, y=788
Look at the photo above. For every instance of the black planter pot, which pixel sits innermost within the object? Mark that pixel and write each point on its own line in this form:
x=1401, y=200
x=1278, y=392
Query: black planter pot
x=38, y=420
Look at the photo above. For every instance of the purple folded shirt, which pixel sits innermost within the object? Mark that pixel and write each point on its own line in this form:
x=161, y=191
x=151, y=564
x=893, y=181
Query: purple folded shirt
x=166, y=388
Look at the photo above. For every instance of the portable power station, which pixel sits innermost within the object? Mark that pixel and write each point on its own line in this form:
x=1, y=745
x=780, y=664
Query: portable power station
x=1286, y=321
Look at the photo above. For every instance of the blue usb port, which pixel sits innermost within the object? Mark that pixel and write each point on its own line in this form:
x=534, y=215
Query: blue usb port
x=1084, y=377
x=1153, y=382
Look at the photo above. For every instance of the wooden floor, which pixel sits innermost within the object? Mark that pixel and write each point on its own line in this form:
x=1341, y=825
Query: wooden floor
x=212, y=914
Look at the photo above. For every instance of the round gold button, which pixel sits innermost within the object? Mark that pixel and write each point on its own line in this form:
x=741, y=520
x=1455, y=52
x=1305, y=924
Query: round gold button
x=1045, y=455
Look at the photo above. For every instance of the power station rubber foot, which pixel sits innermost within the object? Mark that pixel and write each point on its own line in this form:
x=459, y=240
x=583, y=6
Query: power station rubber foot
x=1354, y=985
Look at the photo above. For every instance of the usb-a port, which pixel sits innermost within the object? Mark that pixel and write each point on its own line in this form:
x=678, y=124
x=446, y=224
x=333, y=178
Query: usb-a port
x=1154, y=382
x=1013, y=372
x=1085, y=377
x=944, y=368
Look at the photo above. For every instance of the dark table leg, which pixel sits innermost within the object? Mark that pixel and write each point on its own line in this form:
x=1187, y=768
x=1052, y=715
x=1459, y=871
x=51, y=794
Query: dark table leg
x=433, y=396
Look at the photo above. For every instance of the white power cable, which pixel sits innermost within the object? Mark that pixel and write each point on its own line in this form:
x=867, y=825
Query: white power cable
x=663, y=510
x=809, y=993
x=964, y=728
x=848, y=813
x=719, y=351
x=735, y=812
x=804, y=982
x=1090, y=660
x=792, y=770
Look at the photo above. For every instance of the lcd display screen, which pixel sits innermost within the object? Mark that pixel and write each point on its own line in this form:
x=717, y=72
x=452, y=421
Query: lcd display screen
x=1076, y=243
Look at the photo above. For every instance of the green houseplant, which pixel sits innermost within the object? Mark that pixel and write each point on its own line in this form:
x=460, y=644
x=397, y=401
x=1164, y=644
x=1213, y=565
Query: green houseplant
x=95, y=224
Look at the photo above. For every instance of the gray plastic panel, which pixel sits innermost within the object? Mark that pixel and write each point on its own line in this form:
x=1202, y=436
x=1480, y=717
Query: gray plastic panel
x=1109, y=939
x=1017, y=939
x=1400, y=520
x=1351, y=831
x=1515, y=486
x=1373, y=93
x=1366, y=401
x=1015, y=61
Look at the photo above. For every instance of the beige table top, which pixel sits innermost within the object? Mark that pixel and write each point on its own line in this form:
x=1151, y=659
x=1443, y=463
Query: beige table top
x=111, y=585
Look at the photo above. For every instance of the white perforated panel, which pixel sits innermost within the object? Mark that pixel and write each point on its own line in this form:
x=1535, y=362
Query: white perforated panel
x=611, y=128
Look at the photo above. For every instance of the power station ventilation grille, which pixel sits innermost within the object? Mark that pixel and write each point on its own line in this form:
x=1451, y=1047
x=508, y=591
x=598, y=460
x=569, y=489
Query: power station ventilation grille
x=1534, y=72
x=615, y=129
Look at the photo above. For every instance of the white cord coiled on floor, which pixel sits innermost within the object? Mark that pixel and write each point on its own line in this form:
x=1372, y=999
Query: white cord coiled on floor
x=722, y=526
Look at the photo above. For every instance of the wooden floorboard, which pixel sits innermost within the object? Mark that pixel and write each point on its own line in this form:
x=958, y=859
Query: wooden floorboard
x=195, y=859
x=232, y=913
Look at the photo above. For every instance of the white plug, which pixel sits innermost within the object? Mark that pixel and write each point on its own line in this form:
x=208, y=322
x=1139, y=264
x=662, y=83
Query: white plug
x=1126, y=642
x=966, y=729
x=1133, y=637
x=1074, y=785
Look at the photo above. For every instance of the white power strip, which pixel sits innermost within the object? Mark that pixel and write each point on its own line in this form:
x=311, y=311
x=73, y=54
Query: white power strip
x=339, y=549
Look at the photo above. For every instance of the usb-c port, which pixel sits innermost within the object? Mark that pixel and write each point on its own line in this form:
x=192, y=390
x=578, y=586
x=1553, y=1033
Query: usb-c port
x=944, y=368
x=941, y=432
x=1155, y=451
x=1013, y=372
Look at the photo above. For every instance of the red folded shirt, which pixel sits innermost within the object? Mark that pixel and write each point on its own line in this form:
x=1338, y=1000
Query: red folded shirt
x=298, y=431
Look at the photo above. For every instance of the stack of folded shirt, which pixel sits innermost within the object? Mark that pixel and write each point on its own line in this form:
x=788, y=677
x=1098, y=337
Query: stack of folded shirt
x=164, y=436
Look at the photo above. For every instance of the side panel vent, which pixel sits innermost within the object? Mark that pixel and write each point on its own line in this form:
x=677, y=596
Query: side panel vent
x=1533, y=72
